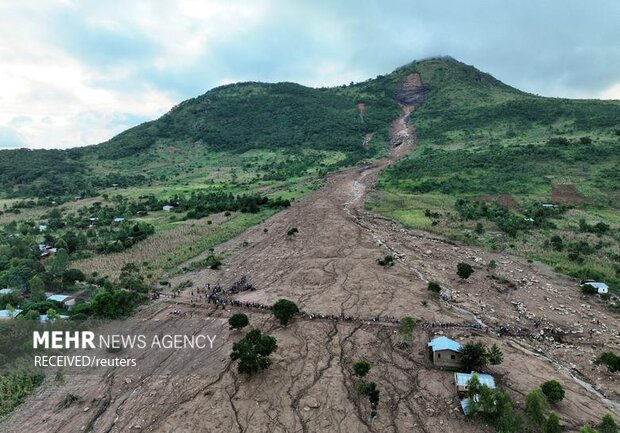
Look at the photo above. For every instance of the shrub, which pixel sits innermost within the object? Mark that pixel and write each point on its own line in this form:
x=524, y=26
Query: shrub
x=386, y=261
x=610, y=359
x=361, y=368
x=434, y=286
x=406, y=328
x=608, y=425
x=553, y=391
x=292, y=231
x=552, y=424
x=464, y=270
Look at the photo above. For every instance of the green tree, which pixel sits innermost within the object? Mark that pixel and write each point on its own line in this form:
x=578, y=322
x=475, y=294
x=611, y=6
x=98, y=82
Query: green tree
x=284, y=310
x=552, y=424
x=535, y=406
x=58, y=264
x=587, y=429
x=361, y=368
x=608, y=425
x=52, y=315
x=37, y=288
x=131, y=279
x=495, y=355
x=406, y=328
x=253, y=352
x=238, y=321
x=553, y=391
x=464, y=270
x=473, y=357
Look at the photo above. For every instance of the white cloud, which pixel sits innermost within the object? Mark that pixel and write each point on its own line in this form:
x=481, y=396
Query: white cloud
x=76, y=72
x=612, y=92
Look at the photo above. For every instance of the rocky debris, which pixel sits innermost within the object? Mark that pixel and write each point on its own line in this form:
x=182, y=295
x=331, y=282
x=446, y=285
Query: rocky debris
x=411, y=90
x=445, y=294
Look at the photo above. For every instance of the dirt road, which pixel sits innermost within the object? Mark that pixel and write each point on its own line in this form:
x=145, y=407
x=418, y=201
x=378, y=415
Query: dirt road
x=330, y=266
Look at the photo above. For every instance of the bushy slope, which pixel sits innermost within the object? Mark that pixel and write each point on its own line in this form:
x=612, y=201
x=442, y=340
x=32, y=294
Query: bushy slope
x=482, y=141
x=233, y=119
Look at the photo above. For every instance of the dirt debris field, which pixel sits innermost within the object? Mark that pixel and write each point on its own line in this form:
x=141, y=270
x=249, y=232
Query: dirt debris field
x=548, y=332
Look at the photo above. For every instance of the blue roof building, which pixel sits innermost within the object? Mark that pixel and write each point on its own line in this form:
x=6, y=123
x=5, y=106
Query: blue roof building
x=462, y=381
x=444, y=352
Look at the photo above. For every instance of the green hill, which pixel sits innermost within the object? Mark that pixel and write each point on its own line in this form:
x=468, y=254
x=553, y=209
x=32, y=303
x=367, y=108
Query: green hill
x=488, y=156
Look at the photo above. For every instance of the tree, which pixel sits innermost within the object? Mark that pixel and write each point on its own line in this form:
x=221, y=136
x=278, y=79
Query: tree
x=30, y=315
x=52, y=315
x=473, y=357
x=608, y=425
x=361, y=368
x=37, y=288
x=535, y=405
x=131, y=278
x=284, y=310
x=58, y=263
x=552, y=424
x=253, y=352
x=587, y=429
x=553, y=391
x=434, y=286
x=464, y=270
x=406, y=328
x=495, y=355
x=238, y=321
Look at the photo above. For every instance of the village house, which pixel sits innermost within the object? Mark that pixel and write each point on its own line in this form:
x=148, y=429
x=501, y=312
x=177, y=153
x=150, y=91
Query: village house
x=168, y=208
x=9, y=314
x=47, y=250
x=119, y=220
x=63, y=301
x=444, y=352
x=601, y=288
x=6, y=291
x=461, y=380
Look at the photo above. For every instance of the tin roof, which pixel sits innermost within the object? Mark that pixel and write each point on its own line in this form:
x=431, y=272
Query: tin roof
x=462, y=379
x=444, y=343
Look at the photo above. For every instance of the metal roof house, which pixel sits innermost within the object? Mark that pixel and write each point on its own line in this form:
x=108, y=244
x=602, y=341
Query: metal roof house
x=461, y=380
x=64, y=300
x=601, y=288
x=44, y=318
x=9, y=314
x=6, y=291
x=444, y=352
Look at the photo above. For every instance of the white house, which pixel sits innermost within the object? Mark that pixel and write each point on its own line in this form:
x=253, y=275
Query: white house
x=6, y=291
x=168, y=208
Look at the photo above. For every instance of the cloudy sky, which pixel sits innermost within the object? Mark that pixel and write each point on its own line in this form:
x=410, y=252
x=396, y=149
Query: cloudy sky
x=78, y=72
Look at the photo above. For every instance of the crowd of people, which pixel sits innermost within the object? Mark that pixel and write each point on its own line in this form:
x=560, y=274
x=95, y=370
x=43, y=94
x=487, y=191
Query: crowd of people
x=221, y=297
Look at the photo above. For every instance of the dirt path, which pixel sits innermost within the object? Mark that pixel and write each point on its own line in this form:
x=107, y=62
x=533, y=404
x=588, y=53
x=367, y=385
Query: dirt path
x=331, y=267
